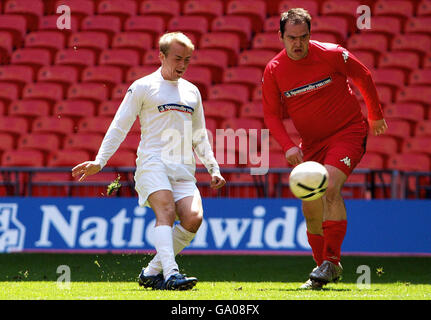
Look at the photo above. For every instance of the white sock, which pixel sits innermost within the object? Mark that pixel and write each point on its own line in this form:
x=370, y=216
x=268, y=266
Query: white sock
x=164, y=247
x=181, y=239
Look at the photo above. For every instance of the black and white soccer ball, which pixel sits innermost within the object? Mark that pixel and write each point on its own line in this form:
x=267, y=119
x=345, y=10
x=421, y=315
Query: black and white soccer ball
x=308, y=181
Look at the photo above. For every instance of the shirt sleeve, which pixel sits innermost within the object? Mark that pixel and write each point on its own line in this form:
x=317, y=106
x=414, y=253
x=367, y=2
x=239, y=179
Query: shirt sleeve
x=200, y=140
x=272, y=110
x=120, y=125
x=361, y=77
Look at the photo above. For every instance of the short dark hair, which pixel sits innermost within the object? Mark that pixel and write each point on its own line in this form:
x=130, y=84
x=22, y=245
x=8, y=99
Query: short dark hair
x=295, y=16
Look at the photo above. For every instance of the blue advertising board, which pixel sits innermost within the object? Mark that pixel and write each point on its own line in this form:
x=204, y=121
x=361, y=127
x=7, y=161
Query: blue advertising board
x=230, y=226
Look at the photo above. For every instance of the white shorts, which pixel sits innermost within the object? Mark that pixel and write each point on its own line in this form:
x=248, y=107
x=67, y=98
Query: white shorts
x=148, y=182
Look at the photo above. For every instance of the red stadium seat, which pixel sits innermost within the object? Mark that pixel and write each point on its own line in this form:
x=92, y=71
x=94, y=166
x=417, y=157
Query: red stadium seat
x=267, y=40
x=194, y=25
x=29, y=109
x=108, y=75
x=412, y=42
x=427, y=61
x=336, y=25
x=229, y=42
x=252, y=109
x=131, y=142
x=344, y=9
x=50, y=23
x=77, y=58
x=214, y=59
x=255, y=11
x=96, y=41
x=249, y=76
x=138, y=72
x=44, y=142
x=16, y=74
x=120, y=8
x=418, y=94
x=52, y=40
x=122, y=158
x=124, y=58
x=272, y=24
x=398, y=128
x=385, y=145
x=67, y=158
x=417, y=145
x=390, y=77
x=256, y=57
x=242, y=123
x=219, y=109
x=107, y=24
x=108, y=108
x=234, y=24
x=79, y=8
x=407, y=61
x=15, y=24
x=9, y=91
x=22, y=158
x=30, y=10
x=408, y=111
x=33, y=57
x=366, y=57
x=74, y=109
x=89, y=142
x=153, y=25
x=257, y=94
x=376, y=43
x=208, y=9
x=138, y=41
x=50, y=92
x=371, y=160
x=14, y=125
x=151, y=58
x=409, y=162
x=6, y=45
x=40, y=178
x=119, y=91
x=94, y=125
x=402, y=9
x=236, y=93
x=201, y=77
x=424, y=8
x=387, y=26
x=91, y=91
x=420, y=77
x=310, y=5
x=7, y=142
x=54, y=125
x=418, y=25
x=163, y=8
x=65, y=75
x=423, y=128
x=325, y=37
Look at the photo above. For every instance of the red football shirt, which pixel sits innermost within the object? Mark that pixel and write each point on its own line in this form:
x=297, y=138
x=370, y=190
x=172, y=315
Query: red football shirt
x=316, y=93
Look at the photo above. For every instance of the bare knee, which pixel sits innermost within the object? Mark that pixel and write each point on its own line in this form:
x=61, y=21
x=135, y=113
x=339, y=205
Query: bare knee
x=192, y=220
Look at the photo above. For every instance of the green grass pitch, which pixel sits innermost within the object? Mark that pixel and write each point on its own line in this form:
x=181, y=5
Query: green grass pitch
x=34, y=276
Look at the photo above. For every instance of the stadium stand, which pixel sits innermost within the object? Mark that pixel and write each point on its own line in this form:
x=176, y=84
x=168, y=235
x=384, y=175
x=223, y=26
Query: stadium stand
x=68, y=83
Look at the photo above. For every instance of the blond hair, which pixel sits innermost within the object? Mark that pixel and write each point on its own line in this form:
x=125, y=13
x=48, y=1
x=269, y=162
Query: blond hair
x=166, y=40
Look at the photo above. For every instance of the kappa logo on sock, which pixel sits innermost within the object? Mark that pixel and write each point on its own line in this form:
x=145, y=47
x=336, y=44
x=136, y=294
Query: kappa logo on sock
x=346, y=161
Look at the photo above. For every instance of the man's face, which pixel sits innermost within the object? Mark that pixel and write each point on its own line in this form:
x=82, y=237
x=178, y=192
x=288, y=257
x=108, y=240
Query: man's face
x=295, y=40
x=175, y=63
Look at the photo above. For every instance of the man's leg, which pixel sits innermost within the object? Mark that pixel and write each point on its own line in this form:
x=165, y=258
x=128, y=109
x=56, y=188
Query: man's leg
x=334, y=228
x=313, y=213
x=190, y=213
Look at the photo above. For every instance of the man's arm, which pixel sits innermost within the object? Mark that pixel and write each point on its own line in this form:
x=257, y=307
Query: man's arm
x=202, y=146
x=362, y=78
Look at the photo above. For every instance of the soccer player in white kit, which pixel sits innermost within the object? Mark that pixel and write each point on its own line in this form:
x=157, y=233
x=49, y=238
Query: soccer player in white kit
x=172, y=122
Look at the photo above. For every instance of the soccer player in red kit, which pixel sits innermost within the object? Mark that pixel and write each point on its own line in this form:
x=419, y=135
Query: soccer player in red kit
x=307, y=81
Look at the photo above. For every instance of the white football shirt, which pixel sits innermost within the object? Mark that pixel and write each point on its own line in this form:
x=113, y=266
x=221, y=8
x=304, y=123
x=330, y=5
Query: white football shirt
x=172, y=126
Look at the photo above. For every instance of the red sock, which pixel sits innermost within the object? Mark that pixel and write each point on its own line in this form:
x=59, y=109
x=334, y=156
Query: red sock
x=333, y=232
x=316, y=242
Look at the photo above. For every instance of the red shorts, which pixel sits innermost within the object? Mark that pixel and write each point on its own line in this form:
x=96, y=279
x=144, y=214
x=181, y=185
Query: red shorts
x=343, y=150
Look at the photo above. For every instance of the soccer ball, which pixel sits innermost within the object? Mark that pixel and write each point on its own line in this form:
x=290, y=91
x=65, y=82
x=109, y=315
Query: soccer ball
x=308, y=181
